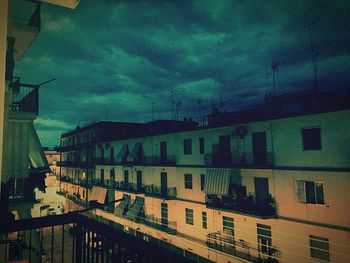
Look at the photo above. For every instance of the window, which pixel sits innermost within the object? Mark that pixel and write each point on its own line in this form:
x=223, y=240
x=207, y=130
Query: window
x=126, y=177
x=264, y=239
x=202, y=181
x=228, y=228
x=319, y=248
x=311, y=139
x=204, y=220
x=164, y=213
x=310, y=192
x=201, y=145
x=188, y=181
x=188, y=146
x=102, y=176
x=189, y=216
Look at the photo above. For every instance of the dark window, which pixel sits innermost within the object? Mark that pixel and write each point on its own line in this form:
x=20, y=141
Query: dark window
x=314, y=192
x=264, y=238
x=201, y=145
x=311, y=139
x=188, y=181
x=164, y=213
x=319, y=248
x=202, y=181
x=189, y=216
x=228, y=229
x=204, y=220
x=188, y=146
x=126, y=177
x=102, y=176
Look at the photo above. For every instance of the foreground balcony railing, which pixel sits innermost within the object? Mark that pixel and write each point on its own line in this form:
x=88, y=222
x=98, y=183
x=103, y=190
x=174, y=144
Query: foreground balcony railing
x=81, y=237
x=26, y=97
x=243, y=205
x=239, y=159
x=80, y=164
x=241, y=249
x=159, y=191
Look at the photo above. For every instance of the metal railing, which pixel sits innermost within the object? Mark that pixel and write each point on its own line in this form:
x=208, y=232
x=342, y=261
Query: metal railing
x=240, y=159
x=157, y=223
x=160, y=160
x=130, y=187
x=158, y=191
x=81, y=237
x=244, y=205
x=25, y=97
x=242, y=249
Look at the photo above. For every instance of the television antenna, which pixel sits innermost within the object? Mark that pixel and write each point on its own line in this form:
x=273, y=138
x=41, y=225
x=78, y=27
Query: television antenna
x=314, y=54
x=274, y=66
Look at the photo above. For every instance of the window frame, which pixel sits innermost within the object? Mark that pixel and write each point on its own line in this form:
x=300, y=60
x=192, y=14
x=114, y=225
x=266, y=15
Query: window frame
x=304, y=197
x=306, y=145
x=188, y=181
x=204, y=220
x=189, y=216
x=201, y=142
x=314, y=250
x=187, y=146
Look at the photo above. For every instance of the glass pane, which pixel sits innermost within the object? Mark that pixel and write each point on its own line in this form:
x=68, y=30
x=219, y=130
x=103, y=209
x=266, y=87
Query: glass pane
x=319, y=193
x=310, y=192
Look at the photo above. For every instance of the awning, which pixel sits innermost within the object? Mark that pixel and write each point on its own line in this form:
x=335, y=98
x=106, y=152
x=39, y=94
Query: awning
x=217, y=181
x=120, y=210
x=122, y=154
x=37, y=157
x=136, y=209
x=132, y=157
x=98, y=194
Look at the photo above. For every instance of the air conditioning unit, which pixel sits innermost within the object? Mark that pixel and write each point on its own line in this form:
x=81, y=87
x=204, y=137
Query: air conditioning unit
x=241, y=131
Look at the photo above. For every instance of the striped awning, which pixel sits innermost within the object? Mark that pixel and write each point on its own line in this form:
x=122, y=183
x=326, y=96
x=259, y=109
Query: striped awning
x=136, y=209
x=36, y=154
x=123, y=205
x=122, y=154
x=133, y=154
x=217, y=181
x=98, y=194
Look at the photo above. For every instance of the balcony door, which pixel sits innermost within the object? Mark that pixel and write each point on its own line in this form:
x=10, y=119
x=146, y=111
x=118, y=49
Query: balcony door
x=164, y=210
x=225, y=149
x=163, y=183
x=261, y=185
x=259, y=148
x=163, y=152
x=139, y=180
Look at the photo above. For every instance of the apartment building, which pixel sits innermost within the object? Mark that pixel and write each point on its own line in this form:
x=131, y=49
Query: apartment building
x=267, y=184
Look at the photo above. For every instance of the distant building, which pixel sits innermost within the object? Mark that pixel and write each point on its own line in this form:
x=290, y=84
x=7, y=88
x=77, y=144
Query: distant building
x=269, y=184
x=53, y=157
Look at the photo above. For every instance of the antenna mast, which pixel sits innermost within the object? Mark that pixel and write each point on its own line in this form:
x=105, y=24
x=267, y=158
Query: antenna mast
x=314, y=54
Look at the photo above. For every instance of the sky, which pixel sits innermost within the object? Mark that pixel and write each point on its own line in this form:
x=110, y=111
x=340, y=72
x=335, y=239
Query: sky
x=136, y=60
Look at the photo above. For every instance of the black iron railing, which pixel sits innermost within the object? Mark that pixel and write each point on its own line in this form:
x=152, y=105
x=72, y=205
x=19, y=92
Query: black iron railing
x=239, y=159
x=242, y=249
x=158, y=191
x=82, y=237
x=245, y=205
x=160, y=160
x=130, y=187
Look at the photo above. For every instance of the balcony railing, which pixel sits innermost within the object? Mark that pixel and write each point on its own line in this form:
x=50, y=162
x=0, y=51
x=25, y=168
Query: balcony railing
x=26, y=12
x=239, y=159
x=25, y=97
x=105, y=161
x=160, y=160
x=157, y=223
x=158, y=191
x=130, y=187
x=241, y=249
x=81, y=237
x=80, y=164
x=244, y=205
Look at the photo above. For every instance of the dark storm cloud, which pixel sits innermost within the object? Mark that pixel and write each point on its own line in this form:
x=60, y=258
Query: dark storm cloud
x=114, y=58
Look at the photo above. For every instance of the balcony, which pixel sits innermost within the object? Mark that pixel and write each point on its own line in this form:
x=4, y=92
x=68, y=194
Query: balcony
x=239, y=159
x=105, y=161
x=245, y=205
x=66, y=148
x=169, y=160
x=157, y=191
x=75, y=164
x=25, y=97
x=80, y=237
x=130, y=187
x=227, y=244
x=163, y=225
x=24, y=24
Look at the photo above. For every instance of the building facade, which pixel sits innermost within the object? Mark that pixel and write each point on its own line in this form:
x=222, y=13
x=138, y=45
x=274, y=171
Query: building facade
x=264, y=185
